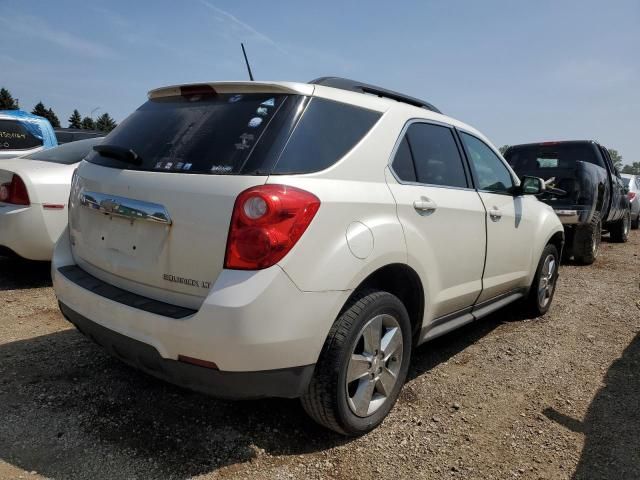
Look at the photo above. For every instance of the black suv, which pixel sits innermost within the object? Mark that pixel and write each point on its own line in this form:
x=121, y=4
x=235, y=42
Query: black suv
x=589, y=193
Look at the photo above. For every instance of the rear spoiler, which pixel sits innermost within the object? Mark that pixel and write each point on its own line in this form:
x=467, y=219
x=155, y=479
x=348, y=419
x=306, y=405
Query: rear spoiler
x=235, y=87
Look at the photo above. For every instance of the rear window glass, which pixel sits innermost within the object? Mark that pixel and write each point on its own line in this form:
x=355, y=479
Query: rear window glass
x=67, y=154
x=326, y=132
x=533, y=159
x=236, y=134
x=194, y=134
x=14, y=136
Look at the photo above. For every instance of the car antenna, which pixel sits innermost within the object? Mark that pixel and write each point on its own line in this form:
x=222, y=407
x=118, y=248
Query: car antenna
x=244, y=52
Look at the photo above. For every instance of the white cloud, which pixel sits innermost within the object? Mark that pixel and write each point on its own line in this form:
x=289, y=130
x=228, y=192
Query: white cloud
x=36, y=28
x=239, y=25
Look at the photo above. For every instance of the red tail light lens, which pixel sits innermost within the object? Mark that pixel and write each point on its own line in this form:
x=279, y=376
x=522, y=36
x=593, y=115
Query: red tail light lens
x=14, y=192
x=267, y=222
x=631, y=196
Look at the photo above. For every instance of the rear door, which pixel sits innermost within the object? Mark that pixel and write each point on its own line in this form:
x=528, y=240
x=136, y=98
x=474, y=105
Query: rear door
x=442, y=216
x=510, y=221
x=159, y=227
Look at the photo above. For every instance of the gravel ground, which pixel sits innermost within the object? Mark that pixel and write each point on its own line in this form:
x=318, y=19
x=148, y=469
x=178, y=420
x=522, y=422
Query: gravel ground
x=509, y=397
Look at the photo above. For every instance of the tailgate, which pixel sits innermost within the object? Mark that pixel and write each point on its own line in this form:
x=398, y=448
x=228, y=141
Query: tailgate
x=159, y=235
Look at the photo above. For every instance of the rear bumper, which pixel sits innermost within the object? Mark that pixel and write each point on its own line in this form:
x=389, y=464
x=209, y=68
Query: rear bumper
x=286, y=382
x=249, y=321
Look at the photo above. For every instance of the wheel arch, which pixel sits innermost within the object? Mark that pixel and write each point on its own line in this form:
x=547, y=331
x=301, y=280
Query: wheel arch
x=402, y=281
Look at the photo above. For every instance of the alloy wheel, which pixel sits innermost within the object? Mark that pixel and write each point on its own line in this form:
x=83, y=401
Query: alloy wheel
x=547, y=280
x=374, y=365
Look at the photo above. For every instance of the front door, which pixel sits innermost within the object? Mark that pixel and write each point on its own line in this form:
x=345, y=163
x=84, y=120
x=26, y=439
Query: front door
x=510, y=225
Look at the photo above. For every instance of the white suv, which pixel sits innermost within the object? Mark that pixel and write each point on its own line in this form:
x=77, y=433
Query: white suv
x=255, y=239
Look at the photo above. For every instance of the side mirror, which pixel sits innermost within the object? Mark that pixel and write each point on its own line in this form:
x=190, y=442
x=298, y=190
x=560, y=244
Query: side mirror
x=532, y=185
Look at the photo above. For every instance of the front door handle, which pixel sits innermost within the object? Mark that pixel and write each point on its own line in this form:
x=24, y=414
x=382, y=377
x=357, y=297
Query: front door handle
x=495, y=214
x=425, y=205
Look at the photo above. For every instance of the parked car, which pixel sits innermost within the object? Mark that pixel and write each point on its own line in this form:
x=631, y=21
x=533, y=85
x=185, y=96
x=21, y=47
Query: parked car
x=22, y=133
x=33, y=199
x=632, y=182
x=594, y=196
x=66, y=135
x=258, y=239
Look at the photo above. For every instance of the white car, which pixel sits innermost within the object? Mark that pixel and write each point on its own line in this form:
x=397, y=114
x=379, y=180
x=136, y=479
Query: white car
x=632, y=182
x=252, y=239
x=34, y=190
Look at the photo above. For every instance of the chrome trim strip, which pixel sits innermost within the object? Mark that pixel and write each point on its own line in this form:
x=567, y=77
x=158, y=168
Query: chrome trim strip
x=123, y=207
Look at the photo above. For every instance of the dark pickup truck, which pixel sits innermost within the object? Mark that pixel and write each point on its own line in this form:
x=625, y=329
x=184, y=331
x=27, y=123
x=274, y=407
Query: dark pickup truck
x=588, y=195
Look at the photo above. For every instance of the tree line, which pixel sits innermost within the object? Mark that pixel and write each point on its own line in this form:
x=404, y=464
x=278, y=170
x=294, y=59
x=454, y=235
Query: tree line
x=104, y=122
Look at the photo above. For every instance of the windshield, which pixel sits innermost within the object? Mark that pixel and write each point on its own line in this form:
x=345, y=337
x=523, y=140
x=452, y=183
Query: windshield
x=67, y=154
x=538, y=160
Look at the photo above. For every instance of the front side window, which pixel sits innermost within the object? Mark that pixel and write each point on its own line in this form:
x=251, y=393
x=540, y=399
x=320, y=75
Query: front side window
x=14, y=136
x=489, y=171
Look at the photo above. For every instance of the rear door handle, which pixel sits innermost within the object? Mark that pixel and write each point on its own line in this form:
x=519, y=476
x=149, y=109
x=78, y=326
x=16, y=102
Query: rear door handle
x=425, y=205
x=495, y=214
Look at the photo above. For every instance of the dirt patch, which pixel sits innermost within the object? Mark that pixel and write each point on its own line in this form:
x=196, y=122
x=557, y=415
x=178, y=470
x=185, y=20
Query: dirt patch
x=556, y=397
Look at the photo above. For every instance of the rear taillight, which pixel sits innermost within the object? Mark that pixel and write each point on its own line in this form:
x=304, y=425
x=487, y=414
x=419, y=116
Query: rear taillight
x=267, y=222
x=14, y=192
x=631, y=196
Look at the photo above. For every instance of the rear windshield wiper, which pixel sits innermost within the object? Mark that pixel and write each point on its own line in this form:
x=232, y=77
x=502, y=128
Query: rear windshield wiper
x=119, y=153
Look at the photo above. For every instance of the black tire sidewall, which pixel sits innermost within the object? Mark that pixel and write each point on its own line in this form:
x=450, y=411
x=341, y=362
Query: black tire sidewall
x=385, y=304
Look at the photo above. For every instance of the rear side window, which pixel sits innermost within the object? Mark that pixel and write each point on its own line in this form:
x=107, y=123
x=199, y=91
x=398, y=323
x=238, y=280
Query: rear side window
x=489, y=171
x=14, y=136
x=66, y=154
x=436, y=156
x=212, y=134
x=325, y=133
x=403, y=162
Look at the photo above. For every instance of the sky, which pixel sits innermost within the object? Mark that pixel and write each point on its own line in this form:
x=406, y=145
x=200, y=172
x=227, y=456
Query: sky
x=519, y=71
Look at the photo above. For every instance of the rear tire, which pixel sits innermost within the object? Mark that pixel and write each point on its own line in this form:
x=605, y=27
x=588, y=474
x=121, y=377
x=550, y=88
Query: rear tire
x=355, y=383
x=543, y=286
x=619, y=230
x=586, y=242
x=635, y=224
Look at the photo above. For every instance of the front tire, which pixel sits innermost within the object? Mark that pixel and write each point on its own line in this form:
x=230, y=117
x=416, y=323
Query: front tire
x=544, y=283
x=363, y=365
x=620, y=230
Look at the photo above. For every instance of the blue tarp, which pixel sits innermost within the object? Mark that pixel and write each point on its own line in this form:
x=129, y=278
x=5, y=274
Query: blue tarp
x=37, y=126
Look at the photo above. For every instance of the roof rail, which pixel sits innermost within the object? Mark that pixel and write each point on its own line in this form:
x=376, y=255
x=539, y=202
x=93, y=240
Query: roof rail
x=361, y=87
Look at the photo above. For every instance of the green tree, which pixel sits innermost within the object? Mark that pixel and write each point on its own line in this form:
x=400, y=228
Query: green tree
x=504, y=148
x=40, y=110
x=7, y=101
x=75, y=120
x=105, y=123
x=88, y=123
x=616, y=158
x=53, y=118
x=633, y=169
